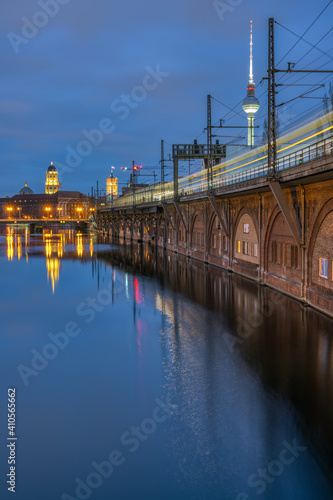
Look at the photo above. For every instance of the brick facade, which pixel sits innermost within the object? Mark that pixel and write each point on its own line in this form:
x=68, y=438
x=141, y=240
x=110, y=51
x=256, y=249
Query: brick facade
x=257, y=242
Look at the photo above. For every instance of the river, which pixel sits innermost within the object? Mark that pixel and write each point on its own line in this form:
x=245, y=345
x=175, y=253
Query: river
x=141, y=375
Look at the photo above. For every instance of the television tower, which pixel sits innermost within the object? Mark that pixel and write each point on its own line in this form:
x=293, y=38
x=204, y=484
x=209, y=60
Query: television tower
x=251, y=103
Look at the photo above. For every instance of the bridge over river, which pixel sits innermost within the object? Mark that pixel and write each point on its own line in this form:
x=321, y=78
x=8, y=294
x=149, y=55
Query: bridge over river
x=38, y=225
x=276, y=230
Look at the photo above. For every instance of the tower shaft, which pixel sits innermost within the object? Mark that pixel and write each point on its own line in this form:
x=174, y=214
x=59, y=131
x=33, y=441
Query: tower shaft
x=250, y=129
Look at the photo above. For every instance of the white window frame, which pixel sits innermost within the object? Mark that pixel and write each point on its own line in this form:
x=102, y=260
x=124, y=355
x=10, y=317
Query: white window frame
x=324, y=261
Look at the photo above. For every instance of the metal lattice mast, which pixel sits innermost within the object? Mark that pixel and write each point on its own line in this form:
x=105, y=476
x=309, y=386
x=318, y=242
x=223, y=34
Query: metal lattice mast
x=209, y=142
x=162, y=161
x=271, y=102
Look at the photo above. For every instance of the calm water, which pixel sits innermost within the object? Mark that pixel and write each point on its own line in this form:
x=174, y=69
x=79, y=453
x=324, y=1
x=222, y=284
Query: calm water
x=143, y=376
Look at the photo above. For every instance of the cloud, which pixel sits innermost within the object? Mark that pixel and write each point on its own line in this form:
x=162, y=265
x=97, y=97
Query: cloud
x=66, y=77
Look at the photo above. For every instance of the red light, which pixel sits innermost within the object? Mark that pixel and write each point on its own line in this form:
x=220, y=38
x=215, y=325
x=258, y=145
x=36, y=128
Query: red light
x=136, y=291
x=135, y=168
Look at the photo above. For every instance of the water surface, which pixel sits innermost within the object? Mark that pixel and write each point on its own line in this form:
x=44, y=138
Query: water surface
x=206, y=385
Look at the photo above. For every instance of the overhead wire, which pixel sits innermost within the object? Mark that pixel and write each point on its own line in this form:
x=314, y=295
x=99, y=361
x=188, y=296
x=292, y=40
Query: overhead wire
x=315, y=46
x=286, y=77
x=305, y=32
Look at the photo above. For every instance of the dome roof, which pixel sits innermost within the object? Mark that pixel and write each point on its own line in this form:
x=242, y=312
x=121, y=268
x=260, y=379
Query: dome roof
x=251, y=104
x=51, y=168
x=26, y=189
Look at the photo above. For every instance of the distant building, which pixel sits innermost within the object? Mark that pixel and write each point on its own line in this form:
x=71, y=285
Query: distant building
x=132, y=186
x=111, y=186
x=52, y=184
x=54, y=204
x=60, y=205
x=26, y=189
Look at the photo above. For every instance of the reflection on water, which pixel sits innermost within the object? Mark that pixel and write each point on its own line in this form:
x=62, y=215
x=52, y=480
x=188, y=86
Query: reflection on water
x=249, y=373
x=10, y=247
x=52, y=265
x=79, y=245
x=288, y=345
x=57, y=246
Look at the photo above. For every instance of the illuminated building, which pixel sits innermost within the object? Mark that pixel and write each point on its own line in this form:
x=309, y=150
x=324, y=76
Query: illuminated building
x=54, y=204
x=60, y=205
x=111, y=187
x=250, y=103
x=52, y=184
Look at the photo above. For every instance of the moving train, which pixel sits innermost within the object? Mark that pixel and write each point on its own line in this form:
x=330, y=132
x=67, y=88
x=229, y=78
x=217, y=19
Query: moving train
x=307, y=142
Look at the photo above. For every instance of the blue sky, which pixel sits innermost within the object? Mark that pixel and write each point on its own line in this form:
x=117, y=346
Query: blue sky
x=73, y=73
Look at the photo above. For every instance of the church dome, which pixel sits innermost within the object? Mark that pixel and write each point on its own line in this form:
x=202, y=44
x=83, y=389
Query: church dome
x=51, y=168
x=26, y=189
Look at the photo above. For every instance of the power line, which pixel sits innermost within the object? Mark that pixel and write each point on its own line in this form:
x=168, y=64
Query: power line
x=230, y=110
x=305, y=76
x=306, y=41
x=301, y=38
x=286, y=77
x=314, y=46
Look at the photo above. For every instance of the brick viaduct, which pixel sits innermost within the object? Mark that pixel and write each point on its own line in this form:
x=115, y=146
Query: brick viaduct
x=278, y=233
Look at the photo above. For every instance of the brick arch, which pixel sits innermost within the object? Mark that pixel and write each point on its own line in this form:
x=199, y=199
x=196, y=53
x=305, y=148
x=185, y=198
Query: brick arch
x=211, y=224
x=253, y=216
x=282, y=255
x=323, y=218
x=122, y=228
x=211, y=231
x=192, y=223
x=169, y=231
x=182, y=236
x=272, y=219
x=136, y=227
x=197, y=216
x=160, y=227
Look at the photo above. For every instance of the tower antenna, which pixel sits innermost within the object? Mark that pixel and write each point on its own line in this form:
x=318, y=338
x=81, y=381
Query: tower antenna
x=251, y=56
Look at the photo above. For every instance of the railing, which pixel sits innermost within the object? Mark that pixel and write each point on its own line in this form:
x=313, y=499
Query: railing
x=160, y=192
x=310, y=153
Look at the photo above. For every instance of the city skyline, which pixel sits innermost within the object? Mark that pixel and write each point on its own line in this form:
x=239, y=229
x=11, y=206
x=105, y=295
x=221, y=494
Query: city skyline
x=70, y=81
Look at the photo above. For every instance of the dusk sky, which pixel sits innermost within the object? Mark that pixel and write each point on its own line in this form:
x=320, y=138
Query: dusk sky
x=137, y=72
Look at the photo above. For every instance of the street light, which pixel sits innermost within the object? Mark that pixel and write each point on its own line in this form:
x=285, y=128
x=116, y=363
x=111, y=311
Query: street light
x=9, y=209
x=48, y=210
x=79, y=211
x=19, y=212
x=59, y=210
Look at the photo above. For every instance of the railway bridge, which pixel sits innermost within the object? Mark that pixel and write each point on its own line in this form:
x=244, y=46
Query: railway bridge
x=276, y=231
